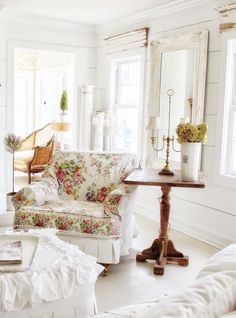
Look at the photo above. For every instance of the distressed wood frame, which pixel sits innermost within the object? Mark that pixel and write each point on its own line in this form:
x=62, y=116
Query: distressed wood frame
x=194, y=40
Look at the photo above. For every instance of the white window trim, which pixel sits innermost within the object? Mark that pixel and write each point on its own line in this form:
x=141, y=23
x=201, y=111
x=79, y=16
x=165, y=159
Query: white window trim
x=220, y=179
x=132, y=54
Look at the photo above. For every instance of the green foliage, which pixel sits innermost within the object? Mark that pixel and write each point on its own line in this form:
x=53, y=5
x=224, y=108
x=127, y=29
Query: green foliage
x=191, y=133
x=64, y=102
x=12, y=142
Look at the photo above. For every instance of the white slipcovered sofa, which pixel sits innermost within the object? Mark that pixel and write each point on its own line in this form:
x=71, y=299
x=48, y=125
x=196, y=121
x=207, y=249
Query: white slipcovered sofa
x=81, y=195
x=211, y=295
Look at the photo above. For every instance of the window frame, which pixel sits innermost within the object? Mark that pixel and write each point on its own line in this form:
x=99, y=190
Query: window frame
x=223, y=176
x=136, y=55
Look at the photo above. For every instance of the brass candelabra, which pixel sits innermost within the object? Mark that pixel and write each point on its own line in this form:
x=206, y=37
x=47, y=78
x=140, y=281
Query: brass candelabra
x=169, y=140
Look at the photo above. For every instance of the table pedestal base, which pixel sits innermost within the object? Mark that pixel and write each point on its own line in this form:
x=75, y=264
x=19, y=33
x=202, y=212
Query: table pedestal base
x=162, y=251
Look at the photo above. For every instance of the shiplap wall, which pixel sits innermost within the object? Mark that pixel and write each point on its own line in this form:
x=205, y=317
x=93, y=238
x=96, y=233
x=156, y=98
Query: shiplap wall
x=208, y=214
x=82, y=43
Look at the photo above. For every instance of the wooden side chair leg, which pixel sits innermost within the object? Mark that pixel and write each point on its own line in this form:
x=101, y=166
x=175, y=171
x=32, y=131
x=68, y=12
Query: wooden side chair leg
x=106, y=269
x=29, y=176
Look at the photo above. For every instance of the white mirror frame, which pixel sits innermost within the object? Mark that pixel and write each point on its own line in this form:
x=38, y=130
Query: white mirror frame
x=194, y=40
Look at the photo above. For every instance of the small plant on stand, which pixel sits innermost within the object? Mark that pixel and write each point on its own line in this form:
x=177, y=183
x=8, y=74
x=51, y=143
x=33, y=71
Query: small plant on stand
x=64, y=105
x=12, y=143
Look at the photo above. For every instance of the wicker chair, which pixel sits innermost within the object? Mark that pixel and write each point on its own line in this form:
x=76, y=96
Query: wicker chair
x=36, y=151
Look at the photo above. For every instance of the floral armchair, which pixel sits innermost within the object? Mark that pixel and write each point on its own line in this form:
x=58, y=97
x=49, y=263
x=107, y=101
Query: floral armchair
x=82, y=195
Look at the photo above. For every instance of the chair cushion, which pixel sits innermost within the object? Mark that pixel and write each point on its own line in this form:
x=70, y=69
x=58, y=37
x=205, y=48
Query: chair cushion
x=23, y=158
x=86, y=218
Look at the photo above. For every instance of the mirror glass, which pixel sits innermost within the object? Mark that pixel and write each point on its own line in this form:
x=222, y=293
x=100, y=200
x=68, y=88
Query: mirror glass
x=177, y=73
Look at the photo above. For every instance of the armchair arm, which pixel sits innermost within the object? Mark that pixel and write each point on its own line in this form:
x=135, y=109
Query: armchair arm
x=37, y=193
x=118, y=200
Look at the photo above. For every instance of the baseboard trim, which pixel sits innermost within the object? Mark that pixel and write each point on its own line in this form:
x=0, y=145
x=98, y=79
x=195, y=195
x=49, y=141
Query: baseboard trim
x=185, y=227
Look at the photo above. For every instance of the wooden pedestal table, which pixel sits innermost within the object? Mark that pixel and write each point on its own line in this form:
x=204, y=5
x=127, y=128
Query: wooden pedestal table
x=162, y=249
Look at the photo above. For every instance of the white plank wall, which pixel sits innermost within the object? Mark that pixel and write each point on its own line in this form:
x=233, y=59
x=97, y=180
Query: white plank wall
x=208, y=214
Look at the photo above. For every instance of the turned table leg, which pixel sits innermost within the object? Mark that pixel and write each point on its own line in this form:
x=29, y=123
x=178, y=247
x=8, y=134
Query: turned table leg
x=162, y=249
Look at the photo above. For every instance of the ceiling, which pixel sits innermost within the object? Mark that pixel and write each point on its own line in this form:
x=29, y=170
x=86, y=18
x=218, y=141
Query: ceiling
x=81, y=11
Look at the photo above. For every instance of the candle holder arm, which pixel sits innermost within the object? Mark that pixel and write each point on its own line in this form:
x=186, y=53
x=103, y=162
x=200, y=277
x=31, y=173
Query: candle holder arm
x=154, y=140
x=173, y=145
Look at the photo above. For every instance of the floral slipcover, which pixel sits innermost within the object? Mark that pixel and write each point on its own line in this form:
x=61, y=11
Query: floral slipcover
x=79, y=192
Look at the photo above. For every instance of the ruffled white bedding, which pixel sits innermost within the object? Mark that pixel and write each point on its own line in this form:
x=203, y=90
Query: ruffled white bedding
x=59, y=271
x=211, y=295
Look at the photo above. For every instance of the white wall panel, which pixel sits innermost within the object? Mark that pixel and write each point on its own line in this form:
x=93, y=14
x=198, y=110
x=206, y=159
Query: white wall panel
x=211, y=134
x=3, y=99
x=3, y=48
x=213, y=67
x=2, y=70
x=212, y=98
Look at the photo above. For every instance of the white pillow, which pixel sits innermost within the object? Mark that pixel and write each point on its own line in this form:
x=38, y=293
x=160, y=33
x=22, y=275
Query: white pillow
x=208, y=297
x=224, y=260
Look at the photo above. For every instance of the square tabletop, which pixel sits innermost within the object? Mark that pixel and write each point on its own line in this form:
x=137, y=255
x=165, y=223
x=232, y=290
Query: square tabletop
x=151, y=177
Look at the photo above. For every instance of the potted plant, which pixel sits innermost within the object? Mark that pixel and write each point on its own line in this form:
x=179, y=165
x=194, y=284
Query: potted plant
x=12, y=143
x=190, y=137
x=64, y=105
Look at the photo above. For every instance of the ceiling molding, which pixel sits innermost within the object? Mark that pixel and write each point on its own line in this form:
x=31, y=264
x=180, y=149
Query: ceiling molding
x=47, y=22
x=161, y=10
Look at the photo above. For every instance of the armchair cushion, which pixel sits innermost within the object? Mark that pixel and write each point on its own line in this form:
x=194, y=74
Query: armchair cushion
x=70, y=215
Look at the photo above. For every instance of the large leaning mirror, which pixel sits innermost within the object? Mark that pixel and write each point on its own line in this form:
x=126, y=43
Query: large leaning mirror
x=178, y=63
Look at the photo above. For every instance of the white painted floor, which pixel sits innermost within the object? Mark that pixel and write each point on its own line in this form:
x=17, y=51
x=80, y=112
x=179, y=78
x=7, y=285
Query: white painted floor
x=130, y=282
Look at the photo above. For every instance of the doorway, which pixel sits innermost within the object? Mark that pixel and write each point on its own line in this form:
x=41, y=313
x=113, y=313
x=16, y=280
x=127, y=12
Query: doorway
x=40, y=77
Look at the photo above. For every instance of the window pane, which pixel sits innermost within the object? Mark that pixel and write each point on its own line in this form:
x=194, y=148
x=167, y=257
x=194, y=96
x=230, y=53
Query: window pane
x=234, y=126
x=124, y=73
x=126, y=106
x=127, y=129
x=123, y=95
x=133, y=95
x=233, y=157
x=234, y=81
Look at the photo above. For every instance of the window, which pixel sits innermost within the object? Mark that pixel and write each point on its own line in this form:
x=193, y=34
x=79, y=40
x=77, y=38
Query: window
x=126, y=105
x=228, y=166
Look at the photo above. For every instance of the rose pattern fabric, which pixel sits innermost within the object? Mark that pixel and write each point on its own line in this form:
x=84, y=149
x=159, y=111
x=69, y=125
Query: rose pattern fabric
x=89, y=176
x=37, y=193
x=77, y=177
x=74, y=216
x=112, y=202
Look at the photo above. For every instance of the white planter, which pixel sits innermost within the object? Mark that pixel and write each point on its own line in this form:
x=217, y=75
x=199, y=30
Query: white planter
x=190, y=160
x=63, y=117
x=9, y=204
